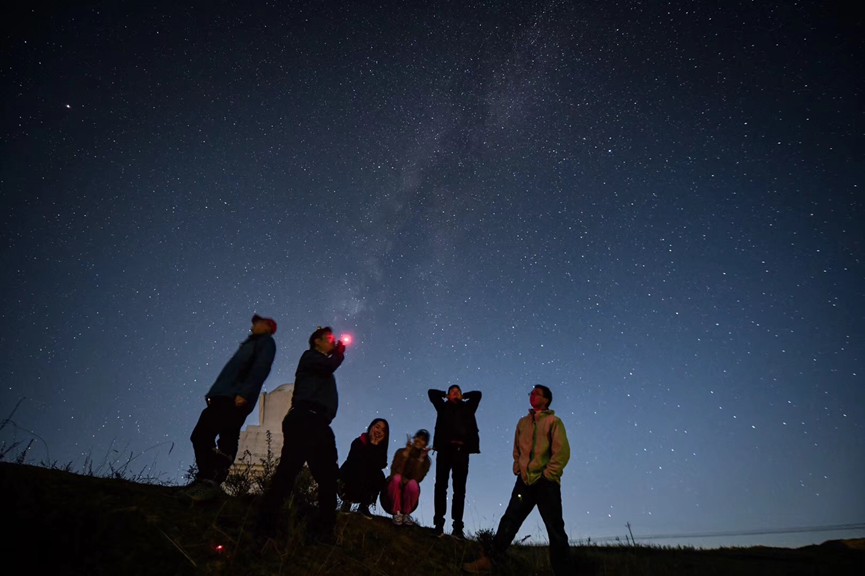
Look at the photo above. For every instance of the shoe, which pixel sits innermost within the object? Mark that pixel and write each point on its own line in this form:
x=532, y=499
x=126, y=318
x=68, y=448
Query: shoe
x=457, y=534
x=345, y=507
x=397, y=519
x=363, y=510
x=479, y=566
x=438, y=531
x=264, y=530
x=184, y=490
x=407, y=520
x=203, y=490
x=324, y=537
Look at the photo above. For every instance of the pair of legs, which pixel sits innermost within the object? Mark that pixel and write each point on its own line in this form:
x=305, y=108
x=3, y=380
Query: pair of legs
x=399, y=498
x=547, y=496
x=451, y=460
x=363, y=490
x=307, y=438
x=223, y=420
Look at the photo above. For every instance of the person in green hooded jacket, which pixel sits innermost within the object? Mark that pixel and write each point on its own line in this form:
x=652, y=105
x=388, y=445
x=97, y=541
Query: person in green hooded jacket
x=541, y=452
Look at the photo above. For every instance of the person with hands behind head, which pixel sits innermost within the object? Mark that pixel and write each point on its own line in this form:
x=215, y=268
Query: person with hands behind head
x=456, y=436
x=402, y=488
x=229, y=401
x=308, y=437
x=541, y=452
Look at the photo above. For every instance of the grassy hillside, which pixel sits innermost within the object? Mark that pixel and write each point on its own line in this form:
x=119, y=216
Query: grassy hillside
x=63, y=523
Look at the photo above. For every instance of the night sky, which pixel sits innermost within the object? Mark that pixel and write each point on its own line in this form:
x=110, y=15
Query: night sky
x=653, y=208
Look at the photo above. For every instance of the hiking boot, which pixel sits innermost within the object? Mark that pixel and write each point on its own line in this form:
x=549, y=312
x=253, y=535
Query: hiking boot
x=397, y=518
x=264, y=531
x=192, y=488
x=323, y=537
x=457, y=534
x=438, y=531
x=184, y=490
x=479, y=566
x=203, y=490
x=211, y=492
x=363, y=510
x=407, y=520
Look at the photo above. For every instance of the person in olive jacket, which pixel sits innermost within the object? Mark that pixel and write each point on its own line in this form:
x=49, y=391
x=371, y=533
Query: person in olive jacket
x=229, y=401
x=456, y=436
x=541, y=452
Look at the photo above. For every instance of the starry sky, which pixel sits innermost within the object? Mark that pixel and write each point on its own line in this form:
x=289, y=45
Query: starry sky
x=653, y=208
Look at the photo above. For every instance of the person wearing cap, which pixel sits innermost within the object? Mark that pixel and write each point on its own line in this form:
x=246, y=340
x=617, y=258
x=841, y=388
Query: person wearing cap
x=229, y=401
x=308, y=437
x=408, y=469
x=541, y=452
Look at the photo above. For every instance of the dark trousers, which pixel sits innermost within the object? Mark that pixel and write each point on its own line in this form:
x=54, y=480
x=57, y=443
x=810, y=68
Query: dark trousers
x=363, y=488
x=220, y=419
x=307, y=438
x=451, y=459
x=547, y=495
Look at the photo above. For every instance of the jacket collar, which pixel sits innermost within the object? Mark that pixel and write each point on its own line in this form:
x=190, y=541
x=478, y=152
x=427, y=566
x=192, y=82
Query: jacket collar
x=543, y=413
x=256, y=336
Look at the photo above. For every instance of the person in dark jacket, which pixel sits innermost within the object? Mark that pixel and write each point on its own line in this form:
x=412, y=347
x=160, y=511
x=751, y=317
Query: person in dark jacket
x=361, y=475
x=229, y=401
x=456, y=436
x=308, y=437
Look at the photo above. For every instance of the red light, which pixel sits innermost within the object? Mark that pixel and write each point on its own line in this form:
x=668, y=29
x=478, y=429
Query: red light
x=220, y=548
x=346, y=339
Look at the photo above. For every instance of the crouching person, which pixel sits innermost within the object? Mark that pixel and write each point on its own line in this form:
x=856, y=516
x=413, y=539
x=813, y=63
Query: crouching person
x=409, y=467
x=360, y=474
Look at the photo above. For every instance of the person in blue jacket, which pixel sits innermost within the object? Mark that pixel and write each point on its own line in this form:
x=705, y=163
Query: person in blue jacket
x=229, y=401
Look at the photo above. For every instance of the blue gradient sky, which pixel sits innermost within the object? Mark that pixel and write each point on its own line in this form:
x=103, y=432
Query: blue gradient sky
x=655, y=209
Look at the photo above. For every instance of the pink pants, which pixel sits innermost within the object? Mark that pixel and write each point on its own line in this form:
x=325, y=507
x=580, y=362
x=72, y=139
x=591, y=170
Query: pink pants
x=396, y=498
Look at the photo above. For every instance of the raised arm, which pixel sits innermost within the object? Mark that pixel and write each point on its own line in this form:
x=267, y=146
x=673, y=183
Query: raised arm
x=398, y=464
x=472, y=399
x=435, y=396
x=422, y=467
x=317, y=363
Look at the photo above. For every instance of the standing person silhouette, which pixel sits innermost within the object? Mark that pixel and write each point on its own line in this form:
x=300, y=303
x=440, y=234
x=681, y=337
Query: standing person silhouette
x=229, y=401
x=456, y=436
x=541, y=452
x=308, y=437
